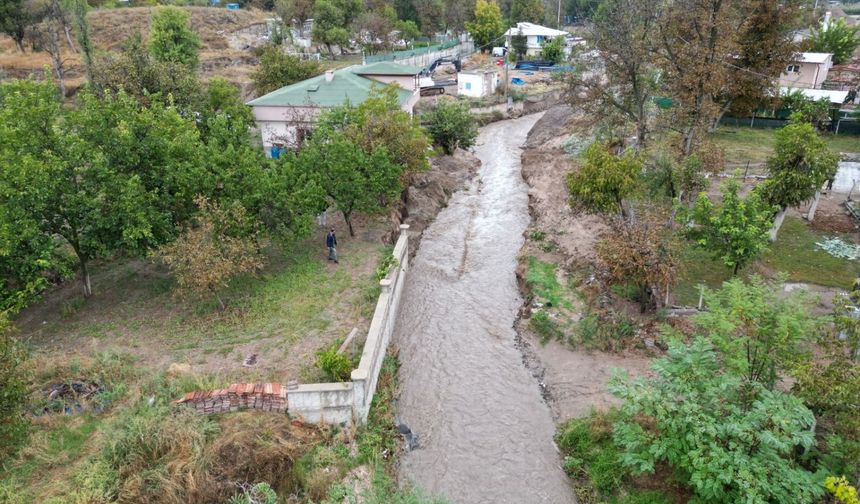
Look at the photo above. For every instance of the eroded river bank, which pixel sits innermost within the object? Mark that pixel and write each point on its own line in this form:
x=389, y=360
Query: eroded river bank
x=485, y=434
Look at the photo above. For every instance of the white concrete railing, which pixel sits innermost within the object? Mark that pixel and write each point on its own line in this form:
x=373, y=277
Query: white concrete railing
x=337, y=403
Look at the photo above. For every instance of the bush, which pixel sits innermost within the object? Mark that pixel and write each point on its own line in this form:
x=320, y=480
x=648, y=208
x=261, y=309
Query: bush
x=451, y=126
x=604, y=179
x=591, y=457
x=545, y=327
x=13, y=391
x=170, y=39
x=553, y=50
x=337, y=367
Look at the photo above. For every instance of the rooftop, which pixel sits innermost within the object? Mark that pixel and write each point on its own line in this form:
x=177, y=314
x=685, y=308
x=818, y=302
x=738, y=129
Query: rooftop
x=534, y=29
x=346, y=86
x=813, y=57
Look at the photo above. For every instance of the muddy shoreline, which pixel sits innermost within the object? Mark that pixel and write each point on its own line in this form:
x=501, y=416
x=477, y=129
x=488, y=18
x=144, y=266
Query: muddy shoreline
x=572, y=380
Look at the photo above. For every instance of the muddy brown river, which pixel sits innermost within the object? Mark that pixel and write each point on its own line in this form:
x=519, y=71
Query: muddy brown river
x=484, y=433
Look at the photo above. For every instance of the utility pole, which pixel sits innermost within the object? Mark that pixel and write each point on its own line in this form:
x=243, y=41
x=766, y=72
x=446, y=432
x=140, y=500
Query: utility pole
x=558, y=22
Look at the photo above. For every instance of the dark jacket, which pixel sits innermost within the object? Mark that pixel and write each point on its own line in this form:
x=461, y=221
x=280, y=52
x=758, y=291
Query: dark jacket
x=331, y=240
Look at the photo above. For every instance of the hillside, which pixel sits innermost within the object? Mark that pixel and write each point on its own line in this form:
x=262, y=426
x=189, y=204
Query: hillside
x=221, y=32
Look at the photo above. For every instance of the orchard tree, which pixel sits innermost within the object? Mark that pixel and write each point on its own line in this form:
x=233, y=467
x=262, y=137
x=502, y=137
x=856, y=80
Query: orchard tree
x=217, y=248
x=353, y=180
x=839, y=39
x=736, y=230
x=278, y=69
x=488, y=26
x=603, y=179
x=170, y=38
x=643, y=253
x=531, y=11
x=451, y=125
x=800, y=165
x=331, y=19
x=696, y=416
x=623, y=82
x=553, y=50
x=760, y=332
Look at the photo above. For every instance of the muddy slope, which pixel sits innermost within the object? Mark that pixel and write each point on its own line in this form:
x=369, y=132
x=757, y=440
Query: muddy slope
x=574, y=381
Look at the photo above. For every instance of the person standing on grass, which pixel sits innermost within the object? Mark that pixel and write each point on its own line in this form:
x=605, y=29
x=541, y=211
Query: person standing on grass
x=331, y=243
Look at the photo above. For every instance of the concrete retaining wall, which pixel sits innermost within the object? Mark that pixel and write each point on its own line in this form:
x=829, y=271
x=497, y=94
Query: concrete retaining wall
x=349, y=402
x=423, y=60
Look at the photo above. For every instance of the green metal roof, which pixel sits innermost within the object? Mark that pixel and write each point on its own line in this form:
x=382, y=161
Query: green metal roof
x=386, y=68
x=345, y=86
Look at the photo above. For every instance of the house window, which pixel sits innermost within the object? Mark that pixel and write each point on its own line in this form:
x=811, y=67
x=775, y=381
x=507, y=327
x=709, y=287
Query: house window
x=792, y=69
x=468, y=85
x=541, y=39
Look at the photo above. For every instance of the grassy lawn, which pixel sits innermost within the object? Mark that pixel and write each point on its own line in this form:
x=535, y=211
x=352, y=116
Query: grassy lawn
x=298, y=304
x=794, y=253
x=755, y=145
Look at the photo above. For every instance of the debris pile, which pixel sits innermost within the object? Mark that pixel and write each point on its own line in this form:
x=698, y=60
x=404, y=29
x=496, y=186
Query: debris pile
x=840, y=248
x=239, y=396
x=72, y=397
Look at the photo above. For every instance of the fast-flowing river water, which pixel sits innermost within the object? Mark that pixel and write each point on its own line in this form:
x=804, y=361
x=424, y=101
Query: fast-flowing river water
x=484, y=433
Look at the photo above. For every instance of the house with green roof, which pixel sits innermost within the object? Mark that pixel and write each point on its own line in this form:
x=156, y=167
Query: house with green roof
x=285, y=116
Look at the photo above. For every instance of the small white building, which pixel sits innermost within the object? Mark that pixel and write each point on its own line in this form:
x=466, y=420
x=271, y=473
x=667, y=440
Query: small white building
x=808, y=70
x=477, y=83
x=536, y=36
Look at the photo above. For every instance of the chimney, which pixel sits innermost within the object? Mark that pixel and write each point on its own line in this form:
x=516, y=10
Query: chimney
x=329, y=75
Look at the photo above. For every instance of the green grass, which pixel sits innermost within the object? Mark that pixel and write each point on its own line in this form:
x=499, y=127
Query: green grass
x=543, y=282
x=794, y=253
x=755, y=145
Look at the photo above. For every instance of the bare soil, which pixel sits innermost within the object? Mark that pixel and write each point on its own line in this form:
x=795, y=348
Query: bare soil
x=574, y=380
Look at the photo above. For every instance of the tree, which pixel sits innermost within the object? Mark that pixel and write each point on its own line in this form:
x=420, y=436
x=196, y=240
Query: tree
x=457, y=13
x=603, y=180
x=13, y=393
x=219, y=247
x=624, y=81
x=642, y=253
x=170, y=38
x=808, y=110
x=430, y=15
x=79, y=10
x=278, y=69
x=451, y=126
x=488, y=26
x=553, y=50
x=353, y=180
x=693, y=415
x=520, y=44
x=735, y=231
x=759, y=332
x=374, y=29
x=800, y=165
x=838, y=38
x=298, y=11
x=15, y=18
x=105, y=177
x=329, y=25
x=530, y=11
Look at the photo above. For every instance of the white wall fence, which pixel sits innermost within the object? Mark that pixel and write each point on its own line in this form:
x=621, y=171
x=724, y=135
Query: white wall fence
x=460, y=50
x=349, y=402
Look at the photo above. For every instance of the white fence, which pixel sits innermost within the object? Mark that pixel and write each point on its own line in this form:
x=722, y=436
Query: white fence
x=337, y=403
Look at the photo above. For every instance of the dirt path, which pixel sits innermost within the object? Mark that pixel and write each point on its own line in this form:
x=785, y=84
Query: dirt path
x=485, y=434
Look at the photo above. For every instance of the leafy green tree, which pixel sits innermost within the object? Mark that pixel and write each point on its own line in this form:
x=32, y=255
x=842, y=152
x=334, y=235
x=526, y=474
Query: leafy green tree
x=693, y=415
x=807, y=110
x=800, y=165
x=170, y=38
x=603, y=179
x=278, y=69
x=137, y=73
x=520, y=44
x=531, y=11
x=295, y=10
x=353, y=180
x=759, y=331
x=15, y=18
x=451, y=125
x=553, y=50
x=331, y=19
x=79, y=10
x=735, y=231
x=839, y=39
x=13, y=393
x=488, y=26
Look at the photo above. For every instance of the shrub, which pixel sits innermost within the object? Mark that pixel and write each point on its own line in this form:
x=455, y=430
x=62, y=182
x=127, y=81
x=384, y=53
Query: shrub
x=261, y=493
x=337, y=367
x=604, y=179
x=553, y=50
x=13, y=391
x=451, y=126
x=545, y=327
x=170, y=39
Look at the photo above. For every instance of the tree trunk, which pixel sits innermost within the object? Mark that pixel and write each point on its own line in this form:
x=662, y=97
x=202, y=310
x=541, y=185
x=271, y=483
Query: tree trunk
x=69, y=37
x=85, y=275
x=347, y=216
x=19, y=43
x=735, y=269
x=811, y=214
x=777, y=223
x=716, y=121
x=221, y=306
